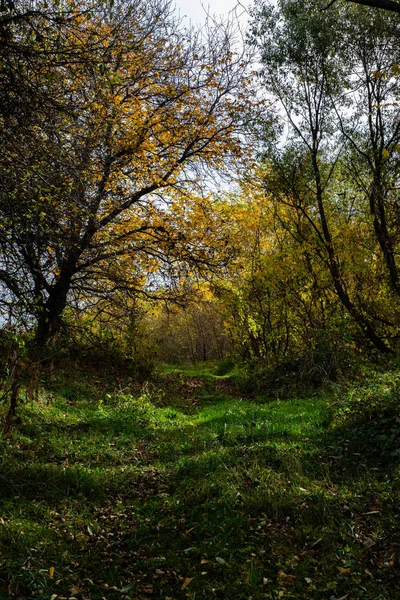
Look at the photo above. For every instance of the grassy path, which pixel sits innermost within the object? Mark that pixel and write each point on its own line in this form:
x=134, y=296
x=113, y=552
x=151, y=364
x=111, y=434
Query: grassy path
x=188, y=490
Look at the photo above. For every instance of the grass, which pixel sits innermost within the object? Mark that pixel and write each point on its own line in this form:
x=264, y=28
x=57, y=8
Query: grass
x=202, y=369
x=187, y=490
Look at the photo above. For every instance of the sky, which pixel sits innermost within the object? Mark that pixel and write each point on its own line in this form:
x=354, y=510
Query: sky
x=194, y=11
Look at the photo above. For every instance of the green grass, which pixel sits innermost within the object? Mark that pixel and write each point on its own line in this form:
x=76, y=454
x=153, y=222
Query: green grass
x=186, y=490
x=202, y=369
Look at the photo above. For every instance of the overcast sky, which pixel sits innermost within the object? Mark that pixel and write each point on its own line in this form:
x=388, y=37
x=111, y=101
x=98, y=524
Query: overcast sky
x=194, y=11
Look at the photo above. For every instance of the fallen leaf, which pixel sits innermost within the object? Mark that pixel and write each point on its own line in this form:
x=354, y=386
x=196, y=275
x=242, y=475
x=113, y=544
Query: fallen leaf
x=368, y=543
x=204, y=561
x=186, y=582
x=193, y=424
x=282, y=577
x=307, y=580
x=368, y=573
x=51, y=572
x=75, y=590
x=221, y=561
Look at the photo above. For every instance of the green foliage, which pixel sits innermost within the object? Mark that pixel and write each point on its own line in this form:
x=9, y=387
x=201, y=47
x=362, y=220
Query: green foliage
x=331, y=180
x=199, y=369
x=312, y=366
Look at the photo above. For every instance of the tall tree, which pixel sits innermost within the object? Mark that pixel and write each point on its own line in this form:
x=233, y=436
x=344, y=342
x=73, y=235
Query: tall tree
x=303, y=53
x=371, y=128
x=97, y=185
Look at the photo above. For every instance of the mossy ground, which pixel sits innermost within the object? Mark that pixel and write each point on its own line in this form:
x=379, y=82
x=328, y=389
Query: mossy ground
x=184, y=489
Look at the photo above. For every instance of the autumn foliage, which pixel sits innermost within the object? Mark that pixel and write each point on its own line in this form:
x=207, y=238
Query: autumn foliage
x=102, y=165
x=142, y=175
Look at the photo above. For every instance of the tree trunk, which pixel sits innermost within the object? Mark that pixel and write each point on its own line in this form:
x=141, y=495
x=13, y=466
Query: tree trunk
x=334, y=267
x=49, y=317
x=377, y=208
x=15, y=385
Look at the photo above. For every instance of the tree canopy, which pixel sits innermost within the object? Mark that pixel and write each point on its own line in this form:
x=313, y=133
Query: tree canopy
x=115, y=118
x=123, y=112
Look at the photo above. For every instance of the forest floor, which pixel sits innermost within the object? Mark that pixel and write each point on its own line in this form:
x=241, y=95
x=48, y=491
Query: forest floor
x=186, y=489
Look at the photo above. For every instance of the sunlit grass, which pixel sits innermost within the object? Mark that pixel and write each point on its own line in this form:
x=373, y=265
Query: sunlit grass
x=128, y=495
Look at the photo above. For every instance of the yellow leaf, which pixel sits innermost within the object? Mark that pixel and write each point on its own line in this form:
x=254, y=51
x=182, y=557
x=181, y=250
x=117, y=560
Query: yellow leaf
x=396, y=69
x=193, y=424
x=51, y=572
x=186, y=583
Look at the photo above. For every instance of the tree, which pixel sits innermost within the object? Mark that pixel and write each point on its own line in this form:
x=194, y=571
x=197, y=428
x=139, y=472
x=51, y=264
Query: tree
x=372, y=129
x=97, y=186
x=277, y=295
x=306, y=66
x=193, y=332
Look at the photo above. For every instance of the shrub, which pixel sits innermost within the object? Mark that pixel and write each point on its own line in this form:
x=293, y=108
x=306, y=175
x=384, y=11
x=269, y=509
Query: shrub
x=369, y=411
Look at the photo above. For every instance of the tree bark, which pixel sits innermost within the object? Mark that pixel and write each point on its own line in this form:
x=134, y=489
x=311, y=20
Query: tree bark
x=49, y=317
x=383, y=4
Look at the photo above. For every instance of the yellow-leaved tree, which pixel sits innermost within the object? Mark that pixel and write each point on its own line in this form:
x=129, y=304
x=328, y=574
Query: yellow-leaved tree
x=102, y=187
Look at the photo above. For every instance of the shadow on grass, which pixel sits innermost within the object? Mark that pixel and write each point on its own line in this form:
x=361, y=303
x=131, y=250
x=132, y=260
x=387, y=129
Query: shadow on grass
x=252, y=499
x=186, y=454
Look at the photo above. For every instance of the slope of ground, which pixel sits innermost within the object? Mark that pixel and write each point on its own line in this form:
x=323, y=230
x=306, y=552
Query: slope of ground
x=187, y=490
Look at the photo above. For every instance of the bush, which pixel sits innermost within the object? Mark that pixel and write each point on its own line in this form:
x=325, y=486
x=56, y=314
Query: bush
x=104, y=350
x=292, y=377
x=369, y=411
x=225, y=366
